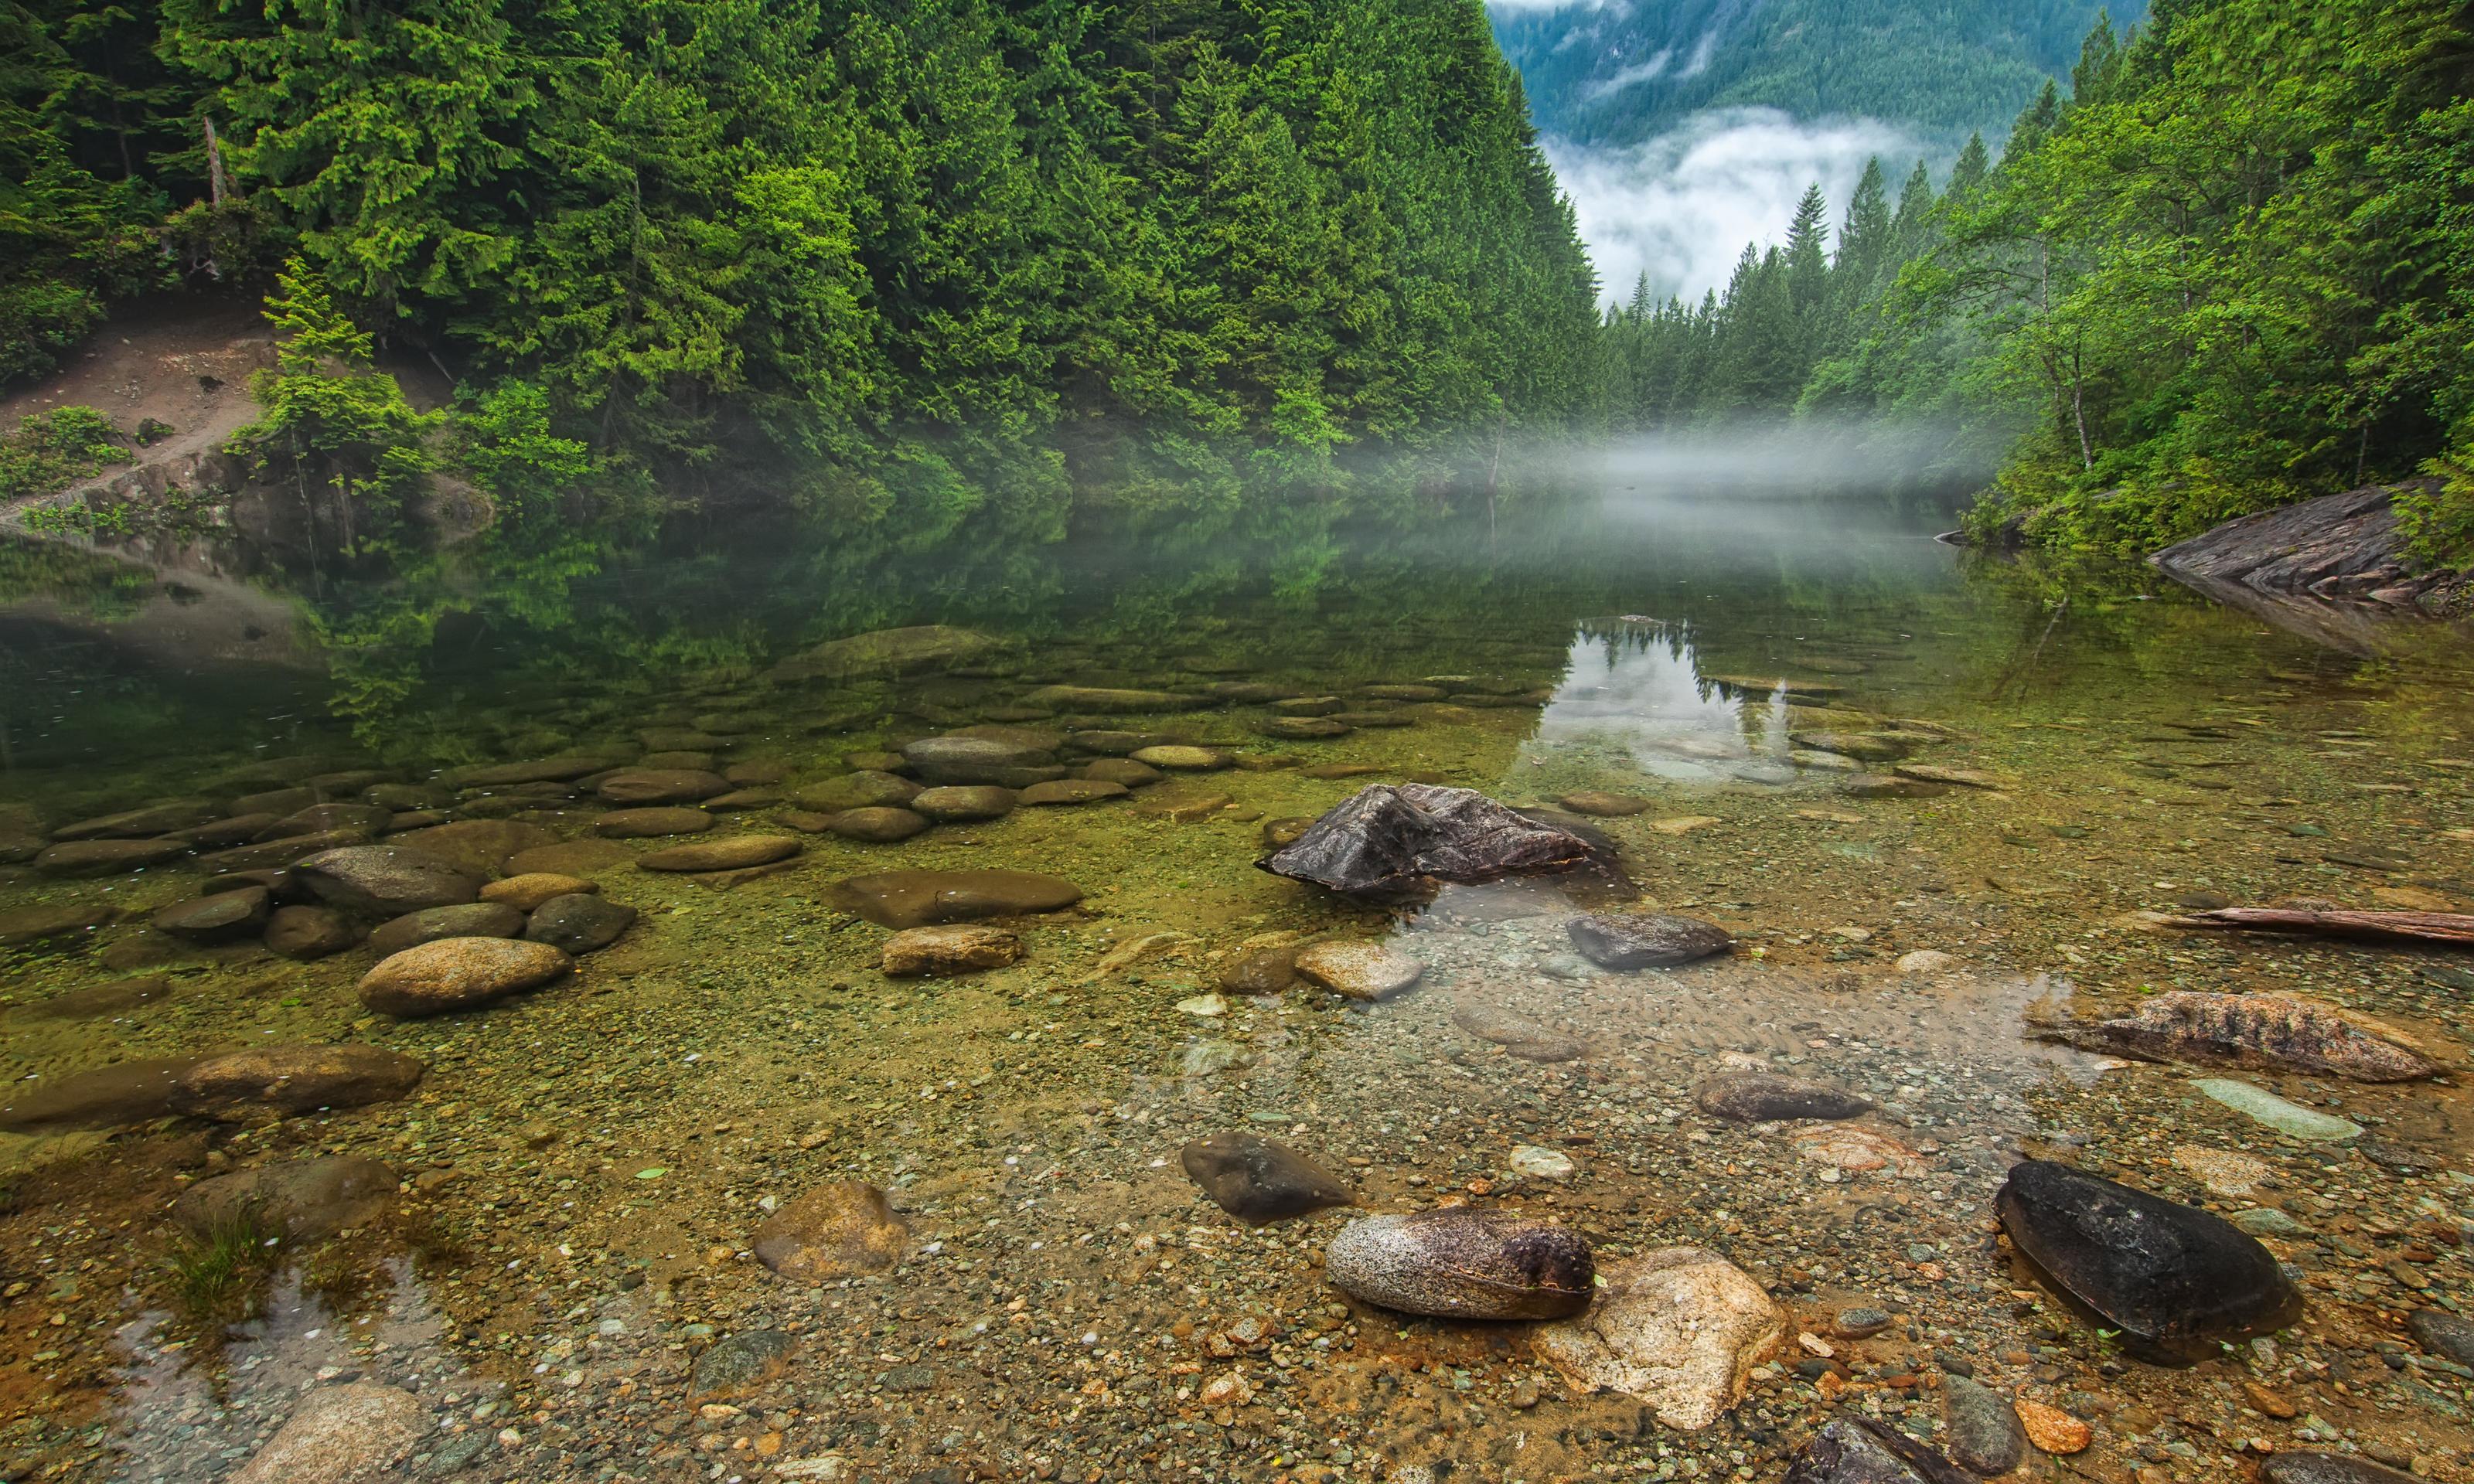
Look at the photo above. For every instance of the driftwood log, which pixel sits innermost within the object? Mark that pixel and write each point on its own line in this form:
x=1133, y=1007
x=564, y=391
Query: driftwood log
x=2443, y=930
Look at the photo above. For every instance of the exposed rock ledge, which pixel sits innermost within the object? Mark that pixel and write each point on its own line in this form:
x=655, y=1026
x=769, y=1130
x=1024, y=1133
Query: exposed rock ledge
x=2327, y=569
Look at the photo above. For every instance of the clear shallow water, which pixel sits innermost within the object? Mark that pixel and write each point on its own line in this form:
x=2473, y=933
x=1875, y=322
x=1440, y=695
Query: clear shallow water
x=586, y=1167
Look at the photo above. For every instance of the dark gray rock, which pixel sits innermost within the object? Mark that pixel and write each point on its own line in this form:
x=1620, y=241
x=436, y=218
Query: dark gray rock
x=2308, y=1467
x=472, y=920
x=1463, y=1262
x=1758, y=1097
x=226, y=916
x=1854, y=1451
x=385, y=881
x=2175, y=1281
x=1256, y=1180
x=2443, y=1333
x=1983, y=1435
x=579, y=924
x=1645, y=940
x=2337, y=547
x=1398, y=841
x=306, y=933
x=740, y=1364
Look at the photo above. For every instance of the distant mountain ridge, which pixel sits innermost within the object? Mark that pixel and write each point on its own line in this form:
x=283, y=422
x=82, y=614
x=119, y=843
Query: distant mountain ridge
x=1618, y=71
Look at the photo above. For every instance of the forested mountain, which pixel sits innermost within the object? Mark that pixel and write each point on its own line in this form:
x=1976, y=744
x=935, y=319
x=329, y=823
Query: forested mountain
x=893, y=259
x=1620, y=73
x=2232, y=267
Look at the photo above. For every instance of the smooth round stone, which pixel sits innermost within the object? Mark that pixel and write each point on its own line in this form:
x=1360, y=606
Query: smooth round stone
x=385, y=881
x=1463, y=1262
x=963, y=803
x=1358, y=970
x=1094, y=698
x=868, y=788
x=1177, y=757
x=877, y=827
x=459, y=973
x=1308, y=705
x=756, y=773
x=1121, y=770
x=1402, y=692
x=306, y=1200
x=484, y=848
x=981, y=759
x=1981, y=1431
x=2304, y=1467
x=839, y=1229
x=472, y=920
x=308, y=933
x=1263, y=971
x=915, y=898
x=736, y=852
x=84, y=859
x=949, y=948
x=140, y=823
x=578, y=923
x=294, y=1078
x=630, y=787
x=225, y=833
x=1605, y=805
x=651, y=824
x=1645, y=940
x=223, y=918
x=1112, y=744
x=360, y=818
x=1301, y=729
x=525, y=892
x=1070, y=791
x=1254, y=1179
x=740, y=800
x=50, y=922
x=1762, y=1097
x=1860, y=1324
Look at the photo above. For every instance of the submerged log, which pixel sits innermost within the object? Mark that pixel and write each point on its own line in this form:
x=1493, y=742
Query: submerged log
x=2448, y=929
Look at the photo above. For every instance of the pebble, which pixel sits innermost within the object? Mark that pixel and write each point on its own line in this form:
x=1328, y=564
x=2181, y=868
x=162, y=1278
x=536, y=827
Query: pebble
x=2051, y=1429
x=1358, y=970
x=1925, y=961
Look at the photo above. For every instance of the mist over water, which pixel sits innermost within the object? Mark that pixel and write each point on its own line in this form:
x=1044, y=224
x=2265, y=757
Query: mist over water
x=1681, y=206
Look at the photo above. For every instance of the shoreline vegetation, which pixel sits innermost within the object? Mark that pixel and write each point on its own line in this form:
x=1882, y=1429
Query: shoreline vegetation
x=1114, y=269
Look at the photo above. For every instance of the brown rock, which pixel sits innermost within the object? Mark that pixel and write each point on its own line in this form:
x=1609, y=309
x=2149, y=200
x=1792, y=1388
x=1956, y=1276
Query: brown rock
x=484, y=848
x=1263, y=971
x=528, y=891
x=90, y=858
x=1605, y=805
x=953, y=950
x=102, y=1097
x=838, y=1230
x=569, y=857
x=1254, y=1179
x=296, y=1079
x=647, y=824
x=2275, y=1032
x=307, y=933
x=735, y=853
x=1071, y=791
x=2052, y=1429
x=1359, y=970
x=304, y=1200
x=226, y=916
x=886, y=825
x=1120, y=769
x=50, y=923
x=97, y=1000
x=964, y=802
x=385, y=881
x=472, y=920
x=868, y=788
x=160, y=819
x=459, y=973
x=629, y=787
x=353, y=1434
x=916, y=899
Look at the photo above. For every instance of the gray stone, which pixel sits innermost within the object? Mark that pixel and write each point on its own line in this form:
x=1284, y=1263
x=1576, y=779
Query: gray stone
x=1645, y=940
x=2443, y=1333
x=1854, y=1450
x=579, y=924
x=472, y=920
x=1463, y=1262
x=740, y=1364
x=385, y=881
x=1256, y=1180
x=1760, y=1097
x=226, y=916
x=959, y=804
x=308, y=933
x=1981, y=1431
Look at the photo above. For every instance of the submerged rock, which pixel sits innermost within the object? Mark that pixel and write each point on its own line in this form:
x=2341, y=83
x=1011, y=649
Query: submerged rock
x=652, y=824
x=1072, y=791
x=1980, y=1428
x=276, y=1080
x=916, y=899
x=735, y=853
x=304, y=934
x=1263, y=971
x=84, y=859
x=223, y=918
x=385, y=881
x=1677, y=1328
x=2269, y=1031
x=1395, y=841
x=459, y=973
x=1645, y=940
x=984, y=760
x=1094, y=698
x=2306, y=1466
x=1254, y=1179
x=1760, y=1097
x=868, y=788
x=1517, y=1034
x=530, y=891
x=350, y=1434
x=2443, y=1333
x=1854, y=1449
x=740, y=1364
x=1605, y=805
x=304, y=1200
x=953, y=948
x=1463, y=1262
x=472, y=920
x=50, y=923
x=101, y=1097
x=630, y=787
x=2175, y=1281
x=885, y=826
x=959, y=804
x=161, y=819
x=888, y=652
x=485, y=847
x=1358, y=970
x=2290, y=1120
x=578, y=923
x=839, y=1229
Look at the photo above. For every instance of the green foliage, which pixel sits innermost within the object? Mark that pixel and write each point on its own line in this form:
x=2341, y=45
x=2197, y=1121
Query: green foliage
x=214, y=1275
x=51, y=449
x=2438, y=518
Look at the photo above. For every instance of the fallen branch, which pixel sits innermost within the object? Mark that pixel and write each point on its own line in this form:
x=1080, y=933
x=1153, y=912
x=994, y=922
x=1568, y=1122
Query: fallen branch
x=2447, y=929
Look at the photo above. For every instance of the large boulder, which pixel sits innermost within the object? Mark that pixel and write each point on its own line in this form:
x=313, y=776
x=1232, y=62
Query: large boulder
x=262, y=1081
x=1397, y=841
x=459, y=973
x=2175, y=1281
x=385, y=881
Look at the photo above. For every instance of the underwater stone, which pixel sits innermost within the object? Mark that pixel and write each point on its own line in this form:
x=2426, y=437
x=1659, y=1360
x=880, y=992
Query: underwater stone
x=735, y=853
x=1854, y=1449
x=868, y=788
x=350, y=1434
x=579, y=924
x=916, y=899
x=1254, y=1179
x=1645, y=940
x=101, y=1097
x=296, y=1079
x=2290, y=1120
x=951, y=948
x=304, y=1200
x=385, y=881
x=304, y=934
x=223, y=918
x=838, y=1230
x=1982, y=1429
x=651, y=824
x=2271, y=1031
x=482, y=847
x=1392, y=841
x=160, y=819
x=528, y=891
x=957, y=804
x=2306, y=1466
x=1761, y=1097
x=740, y=1364
x=1677, y=1328
x=472, y=920
x=888, y=652
x=459, y=973
x=1358, y=970
x=90, y=858
x=875, y=827
x=1072, y=791
x=2176, y=1281
x=1463, y=1262
x=48, y=921
x=632, y=786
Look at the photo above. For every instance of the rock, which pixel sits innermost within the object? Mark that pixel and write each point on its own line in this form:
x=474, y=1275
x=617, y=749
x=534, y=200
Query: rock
x=2337, y=547
x=50, y=923
x=877, y=827
x=569, y=857
x=735, y=853
x=956, y=805
x=888, y=652
x=1390, y=841
x=1183, y=807
x=1463, y=1262
x=1645, y=940
x=1886, y=785
x=2443, y=1333
x=1865, y=747
x=472, y=920
x=2274, y=1032
x=483, y=848
x=239, y=829
x=1402, y=692
x=239, y=1086
x=1121, y=770
x=1677, y=1327
x=309, y=933
x=1092, y=698
x=960, y=759
x=2290, y=1120
x=226, y=916
x=1925, y=961
x=82, y=859
x=277, y=854
x=1936, y=772
x=916, y=899
x=97, y=1000
x=1256, y=1180
x=2268, y=1221
x=1979, y=1429
x=2223, y=1171
x=1854, y=1449
x=1263, y=971
x=1280, y=834
x=101, y=1097
x=651, y=824
x=2305, y=1467
x=2175, y=1281
x=1072, y=791
x=741, y=1365
x=1860, y=1324
x=959, y=949
x=2051, y=1429
x=630, y=787
x=350, y=1434
x=303, y=1200
x=545, y=770
x=1303, y=729
x=459, y=973
x=839, y=1229
x=357, y=818
x=161, y=819
x=756, y=773
x=1358, y=970
x=1177, y=757
x=578, y=923
x=1522, y=1038
x=1536, y=1161
x=1605, y=805
x=868, y=788
x=528, y=891
x=1761, y=1097
x=1852, y=1150
x=385, y=881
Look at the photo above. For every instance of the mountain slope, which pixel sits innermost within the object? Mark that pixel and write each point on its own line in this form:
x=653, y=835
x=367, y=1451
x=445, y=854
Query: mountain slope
x=1617, y=73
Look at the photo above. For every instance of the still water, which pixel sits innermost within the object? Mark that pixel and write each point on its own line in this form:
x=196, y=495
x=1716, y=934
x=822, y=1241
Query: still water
x=543, y=1236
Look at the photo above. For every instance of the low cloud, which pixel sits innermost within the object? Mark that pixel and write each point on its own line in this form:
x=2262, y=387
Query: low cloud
x=1681, y=206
